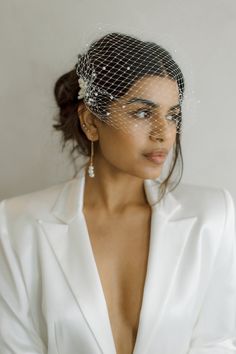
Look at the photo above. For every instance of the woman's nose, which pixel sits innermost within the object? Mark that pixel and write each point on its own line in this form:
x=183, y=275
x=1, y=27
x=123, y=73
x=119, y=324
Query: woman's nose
x=157, y=137
x=159, y=130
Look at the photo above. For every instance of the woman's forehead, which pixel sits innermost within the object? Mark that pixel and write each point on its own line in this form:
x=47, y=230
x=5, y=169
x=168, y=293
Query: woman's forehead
x=154, y=91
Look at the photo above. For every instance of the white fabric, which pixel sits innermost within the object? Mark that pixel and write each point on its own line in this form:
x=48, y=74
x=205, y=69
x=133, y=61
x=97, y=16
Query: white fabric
x=51, y=295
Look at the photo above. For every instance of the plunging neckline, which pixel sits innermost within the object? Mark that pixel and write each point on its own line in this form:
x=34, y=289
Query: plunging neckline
x=146, y=280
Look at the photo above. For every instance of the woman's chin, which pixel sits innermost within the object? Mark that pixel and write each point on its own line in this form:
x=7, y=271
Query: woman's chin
x=152, y=173
x=151, y=169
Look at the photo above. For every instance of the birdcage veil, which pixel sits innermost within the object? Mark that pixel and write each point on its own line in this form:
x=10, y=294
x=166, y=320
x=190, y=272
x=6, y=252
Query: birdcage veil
x=117, y=69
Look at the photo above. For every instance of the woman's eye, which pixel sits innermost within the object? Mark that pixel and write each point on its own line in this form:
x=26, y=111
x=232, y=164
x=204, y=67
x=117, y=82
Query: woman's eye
x=145, y=113
x=142, y=114
x=173, y=117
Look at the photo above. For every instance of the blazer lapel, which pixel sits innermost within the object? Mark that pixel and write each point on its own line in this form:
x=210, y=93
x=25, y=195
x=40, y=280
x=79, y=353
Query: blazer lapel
x=71, y=245
x=167, y=242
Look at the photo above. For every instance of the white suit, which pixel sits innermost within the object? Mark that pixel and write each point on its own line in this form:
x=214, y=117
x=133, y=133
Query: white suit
x=51, y=295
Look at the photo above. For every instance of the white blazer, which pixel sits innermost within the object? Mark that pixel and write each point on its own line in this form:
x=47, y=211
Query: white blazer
x=52, y=299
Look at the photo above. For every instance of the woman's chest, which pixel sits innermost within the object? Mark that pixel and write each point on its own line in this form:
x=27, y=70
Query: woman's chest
x=120, y=249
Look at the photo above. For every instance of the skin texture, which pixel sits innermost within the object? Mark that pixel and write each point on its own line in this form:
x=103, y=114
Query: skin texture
x=116, y=211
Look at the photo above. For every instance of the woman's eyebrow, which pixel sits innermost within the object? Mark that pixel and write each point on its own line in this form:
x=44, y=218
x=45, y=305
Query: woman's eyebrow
x=149, y=103
x=142, y=100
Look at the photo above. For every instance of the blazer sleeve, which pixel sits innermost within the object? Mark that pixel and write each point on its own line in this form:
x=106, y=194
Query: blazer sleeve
x=215, y=329
x=17, y=330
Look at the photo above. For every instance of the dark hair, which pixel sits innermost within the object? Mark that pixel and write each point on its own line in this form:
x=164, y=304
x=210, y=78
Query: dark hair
x=149, y=59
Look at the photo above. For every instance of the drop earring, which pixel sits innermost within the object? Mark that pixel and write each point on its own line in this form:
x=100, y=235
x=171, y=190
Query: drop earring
x=91, y=166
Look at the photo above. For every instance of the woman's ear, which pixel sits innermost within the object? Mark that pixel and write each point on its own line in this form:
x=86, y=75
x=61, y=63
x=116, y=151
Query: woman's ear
x=87, y=122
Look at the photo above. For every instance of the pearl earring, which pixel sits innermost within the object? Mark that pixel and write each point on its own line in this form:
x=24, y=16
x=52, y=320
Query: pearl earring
x=91, y=166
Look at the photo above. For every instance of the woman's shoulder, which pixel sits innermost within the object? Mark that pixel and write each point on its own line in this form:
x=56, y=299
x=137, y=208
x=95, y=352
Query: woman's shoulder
x=41, y=201
x=204, y=198
x=33, y=204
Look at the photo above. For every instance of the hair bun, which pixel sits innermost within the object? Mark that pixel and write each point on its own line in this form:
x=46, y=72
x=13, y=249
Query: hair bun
x=66, y=89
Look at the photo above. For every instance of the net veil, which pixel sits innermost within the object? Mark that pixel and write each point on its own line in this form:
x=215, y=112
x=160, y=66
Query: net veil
x=132, y=85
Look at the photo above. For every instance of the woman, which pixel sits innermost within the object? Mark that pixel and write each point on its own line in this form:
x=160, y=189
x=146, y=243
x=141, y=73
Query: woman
x=117, y=259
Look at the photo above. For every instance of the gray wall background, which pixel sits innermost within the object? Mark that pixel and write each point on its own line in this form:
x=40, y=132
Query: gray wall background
x=40, y=41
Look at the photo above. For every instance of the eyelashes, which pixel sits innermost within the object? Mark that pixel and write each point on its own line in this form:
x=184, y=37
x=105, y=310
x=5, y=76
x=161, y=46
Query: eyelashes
x=176, y=117
x=143, y=114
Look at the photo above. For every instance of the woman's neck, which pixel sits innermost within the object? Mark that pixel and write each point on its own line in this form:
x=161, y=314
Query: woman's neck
x=113, y=190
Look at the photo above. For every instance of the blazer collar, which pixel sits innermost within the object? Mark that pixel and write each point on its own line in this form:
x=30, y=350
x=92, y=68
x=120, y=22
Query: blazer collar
x=71, y=245
x=70, y=199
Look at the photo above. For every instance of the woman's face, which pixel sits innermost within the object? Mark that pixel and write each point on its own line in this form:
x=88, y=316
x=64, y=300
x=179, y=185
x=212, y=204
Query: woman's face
x=146, y=128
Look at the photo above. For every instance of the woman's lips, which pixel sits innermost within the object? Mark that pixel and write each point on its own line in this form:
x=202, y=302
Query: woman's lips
x=157, y=158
